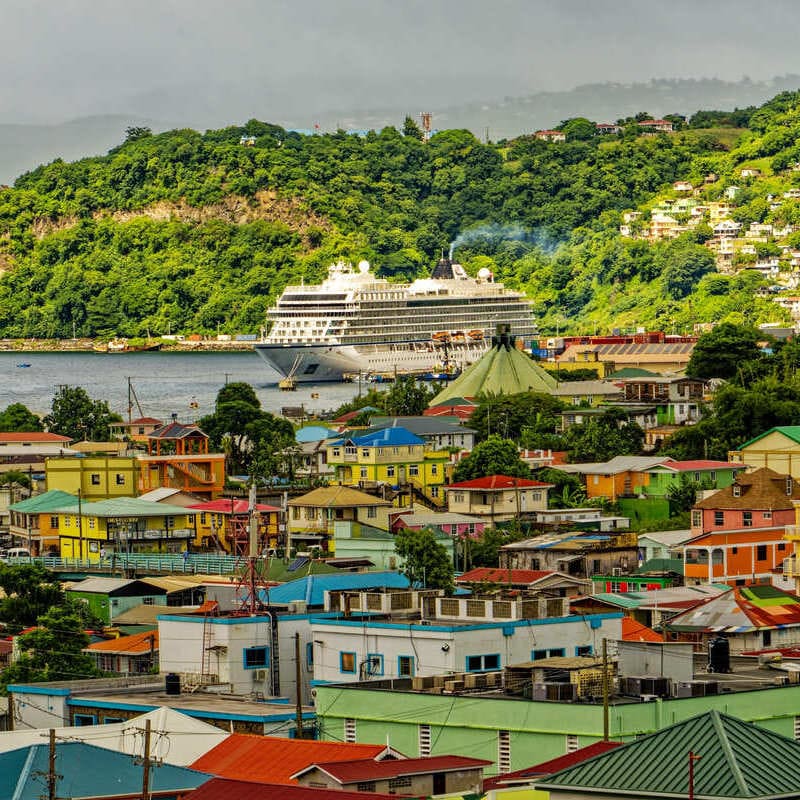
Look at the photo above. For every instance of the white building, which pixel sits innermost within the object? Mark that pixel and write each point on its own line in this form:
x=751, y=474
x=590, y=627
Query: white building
x=461, y=635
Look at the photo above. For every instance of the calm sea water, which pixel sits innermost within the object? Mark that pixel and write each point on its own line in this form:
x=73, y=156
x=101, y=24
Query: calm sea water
x=165, y=383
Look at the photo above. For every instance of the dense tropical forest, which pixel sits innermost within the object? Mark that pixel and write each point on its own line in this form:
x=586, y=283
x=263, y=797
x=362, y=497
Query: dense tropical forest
x=187, y=232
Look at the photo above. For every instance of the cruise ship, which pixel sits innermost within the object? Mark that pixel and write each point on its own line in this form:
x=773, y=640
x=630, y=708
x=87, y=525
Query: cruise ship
x=355, y=324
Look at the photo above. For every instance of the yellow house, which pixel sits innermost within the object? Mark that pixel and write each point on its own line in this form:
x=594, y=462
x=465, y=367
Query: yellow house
x=89, y=531
x=96, y=477
x=777, y=448
x=34, y=522
x=389, y=455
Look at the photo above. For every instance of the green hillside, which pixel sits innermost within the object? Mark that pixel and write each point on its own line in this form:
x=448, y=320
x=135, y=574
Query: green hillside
x=191, y=231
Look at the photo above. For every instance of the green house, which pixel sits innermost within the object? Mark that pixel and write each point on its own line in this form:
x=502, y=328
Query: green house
x=107, y=597
x=706, y=474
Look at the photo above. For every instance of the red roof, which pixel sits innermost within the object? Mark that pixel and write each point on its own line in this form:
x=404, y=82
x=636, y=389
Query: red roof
x=222, y=789
x=633, y=631
x=370, y=770
x=40, y=437
x=271, y=759
x=549, y=767
x=133, y=645
x=495, y=575
x=230, y=506
x=145, y=421
x=498, y=483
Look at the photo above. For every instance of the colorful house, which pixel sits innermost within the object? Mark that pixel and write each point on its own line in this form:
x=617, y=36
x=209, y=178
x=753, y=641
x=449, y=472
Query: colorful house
x=95, y=477
x=546, y=582
x=777, y=448
x=705, y=474
x=136, y=430
x=313, y=516
x=750, y=618
x=620, y=476
x=124, y=524
x=678, y=401
x=224, y=525
x=497, y=498
x=393, y=456
x=34, y=523
x=127, y=655
x=108, y=597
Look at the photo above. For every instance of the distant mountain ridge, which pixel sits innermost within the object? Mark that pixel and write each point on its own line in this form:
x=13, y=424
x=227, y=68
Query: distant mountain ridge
x=23, y=147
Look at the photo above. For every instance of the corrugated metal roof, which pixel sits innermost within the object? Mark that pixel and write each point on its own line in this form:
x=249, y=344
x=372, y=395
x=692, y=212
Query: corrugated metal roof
x=367, y=769
x=738, y=760
x=127, y=645
x=312, y=588
x=87, y=771
x=271, y=759
x=337, y=497
x=499, y=483
x=222, y=789
x=111, y=585
x=43, y=503
x=124, y=507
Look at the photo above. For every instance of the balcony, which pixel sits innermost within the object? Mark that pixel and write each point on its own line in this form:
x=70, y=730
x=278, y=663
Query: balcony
x=151, y=534
x=792, y=533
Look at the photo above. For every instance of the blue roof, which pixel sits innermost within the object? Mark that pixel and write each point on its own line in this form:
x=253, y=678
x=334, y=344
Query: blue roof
x=86, y=771
x=314, y=433
x=387, y=437
x=312, y=588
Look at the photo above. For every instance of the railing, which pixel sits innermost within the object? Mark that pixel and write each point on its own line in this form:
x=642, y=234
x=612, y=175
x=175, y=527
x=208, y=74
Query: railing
x=194, y=563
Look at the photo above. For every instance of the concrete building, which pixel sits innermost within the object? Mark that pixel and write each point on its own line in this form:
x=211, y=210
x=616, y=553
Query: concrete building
x=498, y=498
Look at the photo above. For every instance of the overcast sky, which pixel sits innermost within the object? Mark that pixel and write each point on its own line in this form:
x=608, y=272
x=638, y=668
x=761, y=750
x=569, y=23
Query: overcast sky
x=203, y=62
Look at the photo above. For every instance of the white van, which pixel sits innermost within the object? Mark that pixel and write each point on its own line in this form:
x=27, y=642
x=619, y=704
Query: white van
x=17, y=554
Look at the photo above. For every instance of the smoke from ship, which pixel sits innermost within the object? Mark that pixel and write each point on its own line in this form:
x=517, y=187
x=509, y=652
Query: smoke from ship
x=494, y=234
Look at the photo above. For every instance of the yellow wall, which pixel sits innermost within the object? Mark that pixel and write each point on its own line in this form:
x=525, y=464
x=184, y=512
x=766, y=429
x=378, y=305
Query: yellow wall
x=85, y=541
x=613, y=486
x=775, y=451
x=204, y=531
x=98, y=478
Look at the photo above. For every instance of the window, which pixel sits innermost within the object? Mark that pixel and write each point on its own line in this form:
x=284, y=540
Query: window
x=372, y=512
x=349, y=730
x=363, y=472
x=697, y=477
x=483, y=663
x=766, y=638
x=797, y=728
x=537, y=654
x=310, y=655
x=204, y=518
x=503, y=751
x=781, y=545
x=766, y=515
x=556, y=652
x=413, y=470
x=397, y=783
x=572, y=743
x=434, y=469
x=255, y=657
x=347, y=663
x=434, y=490
x=719, y=517
x=91, y=523
x=119, y=479
x=95, y=479
x=365, y=452
x=737, y=490
x=148, y=601
x=734, y=551
x=747, y=519
x=296, y=512
x=789, y=484
x=424, y=738
x=713, y=476
x=84, y=719
x=583, y=650
x=374, y=665
x=112, y=720
x=697, y=519
x=335, y=451
x=761, y=552
x=54, y=523
x=405, y=666
x=390, y=472
x=366, y=786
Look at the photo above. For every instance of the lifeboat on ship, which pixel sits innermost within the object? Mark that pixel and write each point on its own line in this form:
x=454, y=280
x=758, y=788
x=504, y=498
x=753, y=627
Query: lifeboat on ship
x=475, y=335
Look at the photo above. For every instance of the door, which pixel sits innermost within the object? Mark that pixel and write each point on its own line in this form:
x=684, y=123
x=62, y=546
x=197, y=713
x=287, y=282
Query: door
x=439, y=783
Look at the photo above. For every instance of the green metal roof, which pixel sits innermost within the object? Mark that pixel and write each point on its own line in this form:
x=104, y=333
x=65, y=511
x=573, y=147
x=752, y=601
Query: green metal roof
x=620, y=599
x=123, y=507
x=661, y=565
x=789, y=431
x=632, y=372
x=501, y=370
x=43, y=503
x=737, y=759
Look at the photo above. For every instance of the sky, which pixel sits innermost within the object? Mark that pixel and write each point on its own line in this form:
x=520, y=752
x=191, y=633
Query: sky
x=201, y=62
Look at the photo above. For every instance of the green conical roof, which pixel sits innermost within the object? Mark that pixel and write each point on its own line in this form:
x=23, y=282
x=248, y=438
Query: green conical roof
x=502, y=370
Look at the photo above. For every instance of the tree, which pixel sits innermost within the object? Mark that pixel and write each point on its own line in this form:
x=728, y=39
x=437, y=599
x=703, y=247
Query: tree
x=578, y=129
x=52, y=652
x=410, y=128
x=76, y=415
x=407, y=398
x=136, y=132
x=682, y=496
x=602, y=437
x=495, y=456
x=426, y=562
x=527, y=415
x=29, y=590
x=567, y=491
x=722, y=351
x=18, y=417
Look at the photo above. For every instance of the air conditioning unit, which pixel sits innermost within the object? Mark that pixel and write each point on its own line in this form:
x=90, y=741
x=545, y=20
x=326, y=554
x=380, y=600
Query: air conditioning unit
x=641, y=685
x=616, y=571
x=696, y=688
x=260, y=674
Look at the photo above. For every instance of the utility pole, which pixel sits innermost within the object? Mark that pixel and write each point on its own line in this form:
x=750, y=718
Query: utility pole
x=146, y=762
x=299, y=688
x=605, y=689
x=692, y=759
x=51, y=767
x=80, y=524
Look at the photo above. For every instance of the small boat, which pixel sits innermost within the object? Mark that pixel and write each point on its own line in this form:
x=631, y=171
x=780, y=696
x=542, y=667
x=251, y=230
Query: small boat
x=24, y=364
x=287, y=384
x=476, y=335
x=193, y=404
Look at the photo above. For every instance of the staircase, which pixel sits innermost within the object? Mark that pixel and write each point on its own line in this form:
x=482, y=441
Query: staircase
x=419, y=495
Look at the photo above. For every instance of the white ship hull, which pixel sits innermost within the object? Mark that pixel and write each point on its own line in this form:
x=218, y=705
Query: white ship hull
x=327, y=362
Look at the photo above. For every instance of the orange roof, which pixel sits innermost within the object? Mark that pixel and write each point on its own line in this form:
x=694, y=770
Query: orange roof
x=633, y=631
x=42, y=437
x=270, y=759
x=137, y=643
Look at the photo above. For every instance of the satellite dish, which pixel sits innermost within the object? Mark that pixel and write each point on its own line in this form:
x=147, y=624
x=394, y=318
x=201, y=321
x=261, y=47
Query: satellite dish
x=363, y=267
x=484, y=273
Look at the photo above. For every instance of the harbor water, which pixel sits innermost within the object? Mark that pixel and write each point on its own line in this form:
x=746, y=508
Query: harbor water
x=165, y=383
